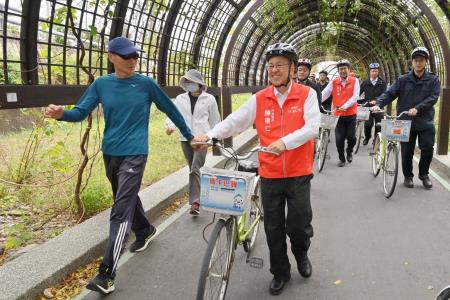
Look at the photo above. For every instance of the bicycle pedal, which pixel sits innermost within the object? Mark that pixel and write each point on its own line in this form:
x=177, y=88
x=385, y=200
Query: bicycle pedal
x=256, y=262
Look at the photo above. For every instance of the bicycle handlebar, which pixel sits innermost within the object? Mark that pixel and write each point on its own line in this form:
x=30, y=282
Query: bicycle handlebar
x=392, y=117
x=230, y=153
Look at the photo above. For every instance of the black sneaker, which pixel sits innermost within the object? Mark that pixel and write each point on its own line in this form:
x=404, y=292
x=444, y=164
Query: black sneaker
x=365, y=142
x=341, y=163
x=101, y=283
x=139, y=246
x=349, y=157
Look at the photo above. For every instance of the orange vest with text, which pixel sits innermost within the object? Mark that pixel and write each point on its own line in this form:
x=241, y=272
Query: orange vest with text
x=342, y=94
x=273, y=123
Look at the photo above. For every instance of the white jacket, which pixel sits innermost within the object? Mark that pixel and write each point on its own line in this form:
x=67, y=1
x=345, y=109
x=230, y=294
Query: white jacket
x=206, y=114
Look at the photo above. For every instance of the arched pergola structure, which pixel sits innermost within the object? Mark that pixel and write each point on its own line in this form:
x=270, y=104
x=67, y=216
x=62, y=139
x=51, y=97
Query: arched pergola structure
x=40, y=55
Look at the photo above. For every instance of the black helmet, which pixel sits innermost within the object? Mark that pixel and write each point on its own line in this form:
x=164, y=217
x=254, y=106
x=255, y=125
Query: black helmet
x=282, y=49
x=374, y=66
x=304, y=62
x=323, y=72
x=342, y=63
x=420, y=51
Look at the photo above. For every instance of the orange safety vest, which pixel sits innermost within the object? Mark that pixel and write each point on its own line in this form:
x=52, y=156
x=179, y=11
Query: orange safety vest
x=273, y=123
x=342, y=94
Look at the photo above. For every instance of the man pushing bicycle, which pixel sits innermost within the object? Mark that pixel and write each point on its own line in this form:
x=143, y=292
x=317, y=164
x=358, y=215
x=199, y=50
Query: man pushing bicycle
x=287, y=119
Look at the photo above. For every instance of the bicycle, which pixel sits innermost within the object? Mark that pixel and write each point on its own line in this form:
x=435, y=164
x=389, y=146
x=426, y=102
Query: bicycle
x=327, y=122
x=237, y=225
x=444, y=294
x=386, y=148
x=362, y=116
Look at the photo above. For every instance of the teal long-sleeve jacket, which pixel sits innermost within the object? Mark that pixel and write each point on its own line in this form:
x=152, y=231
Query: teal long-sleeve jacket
x=126, y=107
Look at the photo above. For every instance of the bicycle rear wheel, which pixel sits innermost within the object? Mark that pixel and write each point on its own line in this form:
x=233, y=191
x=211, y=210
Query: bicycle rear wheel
x=359, y=130
x=376, y=155
x=216, y=267
x=390, y=170
x=322, y=149
x=255, y=213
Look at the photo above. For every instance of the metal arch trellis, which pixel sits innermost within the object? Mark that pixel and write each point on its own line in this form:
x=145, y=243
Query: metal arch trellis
x=39, y=54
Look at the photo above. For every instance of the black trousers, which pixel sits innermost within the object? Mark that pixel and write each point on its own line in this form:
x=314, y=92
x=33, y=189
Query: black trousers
x=276, y=194
x=425, y=134
x=345, y=130
x=373, y=118
x=125, y=175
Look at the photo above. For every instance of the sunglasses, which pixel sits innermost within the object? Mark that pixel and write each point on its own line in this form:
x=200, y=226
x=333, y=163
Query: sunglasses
x=134, y=55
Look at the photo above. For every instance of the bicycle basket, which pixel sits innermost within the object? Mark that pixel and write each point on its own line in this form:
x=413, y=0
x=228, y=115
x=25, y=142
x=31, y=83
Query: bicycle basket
x=328, y=121
x=225, y=191
x=363, y=114
x=396, y=130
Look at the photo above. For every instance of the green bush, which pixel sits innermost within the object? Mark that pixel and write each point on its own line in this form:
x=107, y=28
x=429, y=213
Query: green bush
x=96, y=199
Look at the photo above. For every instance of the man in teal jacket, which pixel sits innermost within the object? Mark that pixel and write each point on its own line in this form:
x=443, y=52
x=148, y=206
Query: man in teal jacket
x=125, y=98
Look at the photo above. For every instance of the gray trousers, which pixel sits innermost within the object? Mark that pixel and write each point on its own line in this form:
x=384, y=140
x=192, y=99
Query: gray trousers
x=195, y=160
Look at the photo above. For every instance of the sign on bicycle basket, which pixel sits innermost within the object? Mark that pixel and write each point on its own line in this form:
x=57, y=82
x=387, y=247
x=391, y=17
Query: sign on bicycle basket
x=363, y=114
x=328, y=121
x=396, y=130
x=225, y=191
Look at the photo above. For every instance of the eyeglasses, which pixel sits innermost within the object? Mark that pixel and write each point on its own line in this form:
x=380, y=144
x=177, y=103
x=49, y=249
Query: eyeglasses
x=134, y=55
x=278, y=67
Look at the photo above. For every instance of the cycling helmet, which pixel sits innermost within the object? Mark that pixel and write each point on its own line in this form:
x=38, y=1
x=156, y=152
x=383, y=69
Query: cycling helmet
x=282, y=49
x=304, y=62
x=420, y=51
x=374, y=66
x=342, y=63
x=323, y=72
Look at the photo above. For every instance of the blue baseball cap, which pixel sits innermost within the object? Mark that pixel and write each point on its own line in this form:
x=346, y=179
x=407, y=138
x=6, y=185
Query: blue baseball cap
x=121, y=45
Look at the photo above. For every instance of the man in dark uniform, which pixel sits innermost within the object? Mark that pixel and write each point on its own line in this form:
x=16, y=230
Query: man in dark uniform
x=304, y=67
x=372, y=88
x=417, y=93
x=323, y=82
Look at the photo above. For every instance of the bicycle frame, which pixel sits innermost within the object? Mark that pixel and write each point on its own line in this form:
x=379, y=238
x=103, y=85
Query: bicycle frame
x=241, y=234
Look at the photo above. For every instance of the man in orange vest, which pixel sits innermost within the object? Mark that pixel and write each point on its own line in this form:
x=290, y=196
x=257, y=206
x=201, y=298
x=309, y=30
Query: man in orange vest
x=287, y=119
x=345, y=92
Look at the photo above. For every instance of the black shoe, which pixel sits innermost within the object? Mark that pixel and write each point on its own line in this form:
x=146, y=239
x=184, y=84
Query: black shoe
x=304, y=265
x=365, y=142
x=101, y=283
x=277, y=285
x=138, y=246
x=426, y=181
x=349, y=157
x=408, y=182
x=341, y=163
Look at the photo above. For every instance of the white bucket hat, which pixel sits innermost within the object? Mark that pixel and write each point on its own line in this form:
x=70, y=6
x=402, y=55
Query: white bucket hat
x=193, y=76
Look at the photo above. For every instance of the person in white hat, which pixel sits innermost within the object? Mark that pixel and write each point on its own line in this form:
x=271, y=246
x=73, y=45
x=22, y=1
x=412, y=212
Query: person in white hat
x=199, y=110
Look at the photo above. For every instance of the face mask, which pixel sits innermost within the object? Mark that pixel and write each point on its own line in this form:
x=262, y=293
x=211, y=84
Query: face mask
x=192, y=87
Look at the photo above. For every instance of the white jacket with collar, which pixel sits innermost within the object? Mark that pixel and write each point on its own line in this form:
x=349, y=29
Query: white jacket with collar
x=206, y=114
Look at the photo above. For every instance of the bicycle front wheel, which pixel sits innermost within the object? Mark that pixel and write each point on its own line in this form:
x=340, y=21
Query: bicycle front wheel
x=322, y=149
x=376, y=155
x=359, y=130
x=390, y=170
x=216, y=267
x=254, y=214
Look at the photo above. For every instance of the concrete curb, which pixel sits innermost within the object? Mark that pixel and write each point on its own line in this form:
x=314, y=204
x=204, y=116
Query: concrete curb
x=47, y=264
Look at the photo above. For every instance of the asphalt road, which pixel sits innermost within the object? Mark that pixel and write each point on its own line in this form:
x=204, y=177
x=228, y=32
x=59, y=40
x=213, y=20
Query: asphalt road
x=365, y=246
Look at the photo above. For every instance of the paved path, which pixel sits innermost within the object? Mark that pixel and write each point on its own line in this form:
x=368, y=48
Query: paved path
x=365, y=246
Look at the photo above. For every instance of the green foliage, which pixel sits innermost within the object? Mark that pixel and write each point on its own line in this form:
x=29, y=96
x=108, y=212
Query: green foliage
x=96, y=198
x=17, y=236
x=283, y=17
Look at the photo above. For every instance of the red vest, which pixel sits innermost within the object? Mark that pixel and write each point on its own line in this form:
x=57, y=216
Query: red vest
x=273, y=123
x=342, y=94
